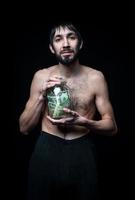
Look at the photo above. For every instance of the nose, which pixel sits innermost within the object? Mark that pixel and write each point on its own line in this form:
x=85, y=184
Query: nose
x=65, y=42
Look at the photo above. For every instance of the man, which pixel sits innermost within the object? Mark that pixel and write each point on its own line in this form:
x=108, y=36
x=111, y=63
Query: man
x=63, y=163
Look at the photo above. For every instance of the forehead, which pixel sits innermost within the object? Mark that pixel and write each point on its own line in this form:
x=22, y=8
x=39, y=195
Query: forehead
x=63, y=31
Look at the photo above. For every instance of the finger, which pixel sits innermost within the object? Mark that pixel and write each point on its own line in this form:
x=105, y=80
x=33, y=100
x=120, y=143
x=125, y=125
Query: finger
x=56, y=121
x=48, y=117
x=67, y=110
x=53, y=80
x=56, y=78
x=47, y=85
x=69, y=119
x=71, y=112
x=51, y=120
x=51, y=84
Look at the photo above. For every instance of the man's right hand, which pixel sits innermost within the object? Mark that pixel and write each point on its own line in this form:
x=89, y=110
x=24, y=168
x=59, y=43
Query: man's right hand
x=51, y=82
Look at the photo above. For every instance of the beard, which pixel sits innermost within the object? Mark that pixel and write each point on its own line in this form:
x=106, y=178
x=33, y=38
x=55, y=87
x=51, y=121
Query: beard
x=67, y=60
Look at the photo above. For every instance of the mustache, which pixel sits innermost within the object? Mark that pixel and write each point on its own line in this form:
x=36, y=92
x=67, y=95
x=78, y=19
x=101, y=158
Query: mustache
x=67, y=51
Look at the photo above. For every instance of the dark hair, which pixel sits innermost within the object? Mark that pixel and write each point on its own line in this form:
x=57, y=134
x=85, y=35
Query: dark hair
x=64, y=25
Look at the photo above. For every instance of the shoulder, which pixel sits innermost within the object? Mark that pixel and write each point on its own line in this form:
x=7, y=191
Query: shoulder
x=44, y=73
x=94, y=74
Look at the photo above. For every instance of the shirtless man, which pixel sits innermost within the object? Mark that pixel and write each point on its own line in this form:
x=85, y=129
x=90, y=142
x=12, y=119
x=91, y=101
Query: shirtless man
x=55, y=162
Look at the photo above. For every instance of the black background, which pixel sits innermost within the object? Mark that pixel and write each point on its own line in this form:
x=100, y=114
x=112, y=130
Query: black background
x=108, y=46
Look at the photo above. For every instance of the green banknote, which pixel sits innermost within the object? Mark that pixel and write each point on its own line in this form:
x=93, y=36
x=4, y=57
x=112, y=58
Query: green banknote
x=57, y=100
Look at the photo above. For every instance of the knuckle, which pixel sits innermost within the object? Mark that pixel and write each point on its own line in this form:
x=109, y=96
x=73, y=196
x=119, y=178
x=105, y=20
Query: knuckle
x=64, y=121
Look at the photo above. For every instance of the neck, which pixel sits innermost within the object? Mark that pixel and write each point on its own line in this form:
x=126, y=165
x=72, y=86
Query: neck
x=69, y=70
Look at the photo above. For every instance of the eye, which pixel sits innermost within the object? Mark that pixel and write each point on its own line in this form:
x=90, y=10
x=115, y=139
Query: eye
x=57, y=39
x=72, y=37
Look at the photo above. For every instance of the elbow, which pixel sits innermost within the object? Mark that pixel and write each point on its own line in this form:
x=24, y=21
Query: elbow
x=23, y=128
x=114, y=129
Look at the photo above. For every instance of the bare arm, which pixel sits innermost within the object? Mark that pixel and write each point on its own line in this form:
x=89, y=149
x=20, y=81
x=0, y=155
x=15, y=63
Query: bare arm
x=31, y=114
x=107, y=123
x=34, y=107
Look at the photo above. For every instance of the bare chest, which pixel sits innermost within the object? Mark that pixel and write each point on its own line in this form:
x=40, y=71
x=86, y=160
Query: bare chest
x=81, y=94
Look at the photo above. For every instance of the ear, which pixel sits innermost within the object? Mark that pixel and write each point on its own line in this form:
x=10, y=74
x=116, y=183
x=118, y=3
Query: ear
x=81, y=45
x=51, y=48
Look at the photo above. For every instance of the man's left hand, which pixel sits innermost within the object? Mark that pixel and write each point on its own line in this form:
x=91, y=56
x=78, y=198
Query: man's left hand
x=75, y=119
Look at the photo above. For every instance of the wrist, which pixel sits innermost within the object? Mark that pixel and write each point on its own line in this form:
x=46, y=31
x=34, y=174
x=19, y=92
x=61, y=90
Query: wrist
x=89, y=124
x=41, y=97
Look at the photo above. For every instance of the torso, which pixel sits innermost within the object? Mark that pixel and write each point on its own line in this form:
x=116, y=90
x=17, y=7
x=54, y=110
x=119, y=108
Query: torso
x=81, y=87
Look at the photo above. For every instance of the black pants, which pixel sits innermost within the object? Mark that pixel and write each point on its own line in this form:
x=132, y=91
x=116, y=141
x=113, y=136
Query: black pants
x=62, y=169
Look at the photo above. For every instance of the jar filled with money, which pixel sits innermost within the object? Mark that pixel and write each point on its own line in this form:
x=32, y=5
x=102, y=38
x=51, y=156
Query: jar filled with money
x=59, y=97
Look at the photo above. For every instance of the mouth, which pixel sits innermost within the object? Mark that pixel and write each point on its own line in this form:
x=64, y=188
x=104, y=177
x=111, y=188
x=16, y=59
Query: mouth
x=66, y=53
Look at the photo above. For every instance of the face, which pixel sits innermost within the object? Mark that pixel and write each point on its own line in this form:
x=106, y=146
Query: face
x=65, y=46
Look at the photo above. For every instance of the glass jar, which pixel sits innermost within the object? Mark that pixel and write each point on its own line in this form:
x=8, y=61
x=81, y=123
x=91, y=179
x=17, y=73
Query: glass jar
x=59, y=97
